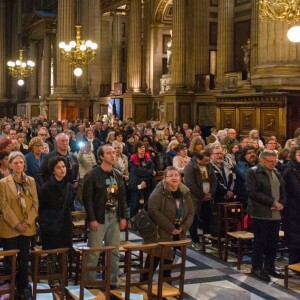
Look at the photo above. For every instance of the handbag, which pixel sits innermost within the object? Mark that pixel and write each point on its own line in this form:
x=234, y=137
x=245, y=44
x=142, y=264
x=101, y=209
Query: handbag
x=143, y=223
x=51, y=220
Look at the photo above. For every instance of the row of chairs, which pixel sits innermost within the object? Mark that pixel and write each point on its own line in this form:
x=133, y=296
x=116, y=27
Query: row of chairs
x=100, y=288
x=233, y=234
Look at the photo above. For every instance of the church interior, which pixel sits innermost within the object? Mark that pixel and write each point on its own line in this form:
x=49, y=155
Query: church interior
x=223, y=63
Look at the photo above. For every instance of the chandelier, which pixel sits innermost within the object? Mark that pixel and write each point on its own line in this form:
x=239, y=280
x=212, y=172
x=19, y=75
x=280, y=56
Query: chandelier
x=20, y=69
x=78, y=53
x=282, y=10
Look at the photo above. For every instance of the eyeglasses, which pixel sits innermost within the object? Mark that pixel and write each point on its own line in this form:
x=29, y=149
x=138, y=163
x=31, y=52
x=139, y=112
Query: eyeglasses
x=272, y=143
x=270, y=161
x=250, y=152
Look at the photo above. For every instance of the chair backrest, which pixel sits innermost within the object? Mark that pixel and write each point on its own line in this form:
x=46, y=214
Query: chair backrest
x=10, y=255
x=104, y=268
x=79, y=226
x=234, y=217
x=133, y=271
x=39, y=273
x=176, y=265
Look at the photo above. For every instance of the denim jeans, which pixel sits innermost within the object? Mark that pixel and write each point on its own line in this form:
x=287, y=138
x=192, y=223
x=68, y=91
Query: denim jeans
x=266, y=236
x=109, y=233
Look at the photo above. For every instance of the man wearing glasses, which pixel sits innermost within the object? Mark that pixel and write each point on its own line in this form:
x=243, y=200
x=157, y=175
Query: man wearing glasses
x=265, y=189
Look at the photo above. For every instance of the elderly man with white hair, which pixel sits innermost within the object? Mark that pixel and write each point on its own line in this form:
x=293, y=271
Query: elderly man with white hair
x=62, y=149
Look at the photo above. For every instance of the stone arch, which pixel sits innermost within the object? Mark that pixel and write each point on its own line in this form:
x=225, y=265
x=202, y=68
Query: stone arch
x=163, y=11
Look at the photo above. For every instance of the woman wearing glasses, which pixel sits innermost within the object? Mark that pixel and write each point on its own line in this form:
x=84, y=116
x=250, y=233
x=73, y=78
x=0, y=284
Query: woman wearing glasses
x=171, y=208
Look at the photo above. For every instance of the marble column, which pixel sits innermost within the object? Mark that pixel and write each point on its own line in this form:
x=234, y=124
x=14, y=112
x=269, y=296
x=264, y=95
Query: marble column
x=134, y=48
x=116, y=50
x=178, y=71
x=65, y=83
x=3, y=66
x=225, y=39
x=45, y=91
x=33, y=55
x=146, y=46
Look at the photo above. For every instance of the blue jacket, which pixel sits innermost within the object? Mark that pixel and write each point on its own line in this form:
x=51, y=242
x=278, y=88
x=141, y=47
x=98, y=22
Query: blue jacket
x=33, y=165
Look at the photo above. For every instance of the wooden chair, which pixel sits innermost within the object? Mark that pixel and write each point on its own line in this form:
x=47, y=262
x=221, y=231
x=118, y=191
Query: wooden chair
x=236, y=239
x=163, y=289
x=133, y=273
x=11, y=278
x=77, y=292
x=294, y=268
x=136, y=258
x=219, y=239
x=39, y=273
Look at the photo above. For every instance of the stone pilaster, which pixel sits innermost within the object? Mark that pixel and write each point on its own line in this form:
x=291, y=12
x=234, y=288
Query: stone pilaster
x=65, y=83
x=275, y=60
x=178, y=72
x=146, y=45
x=134, y=48
x=45, y=85
x=3, y=66
x=225, y=39
x=33, y=79
x=116, y=50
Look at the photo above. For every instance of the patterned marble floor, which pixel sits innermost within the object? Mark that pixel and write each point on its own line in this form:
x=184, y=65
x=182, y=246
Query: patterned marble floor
x=210, y=278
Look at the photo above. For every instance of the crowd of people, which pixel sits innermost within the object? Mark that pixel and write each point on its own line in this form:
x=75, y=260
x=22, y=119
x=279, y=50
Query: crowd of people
x=109, y=170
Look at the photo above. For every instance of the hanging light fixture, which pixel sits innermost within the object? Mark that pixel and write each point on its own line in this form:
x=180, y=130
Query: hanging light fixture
x=282, y=10
x=20, y=69
x=78, y=53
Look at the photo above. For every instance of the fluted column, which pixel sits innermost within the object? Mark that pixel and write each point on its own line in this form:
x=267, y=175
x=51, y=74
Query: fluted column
x=178, y=72
x=3, y=67
x=116, y=50
x=65, y=32
x=134, y=50
x=225, y=39
x=33, y=55
x=46, y=66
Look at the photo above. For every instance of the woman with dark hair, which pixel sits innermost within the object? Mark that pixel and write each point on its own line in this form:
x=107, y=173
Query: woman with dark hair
x=153, y=154
x=56, y=195
x=18, y=209
x=6, y=144
x=141, y=178
x=291, y=212
x=4, y=171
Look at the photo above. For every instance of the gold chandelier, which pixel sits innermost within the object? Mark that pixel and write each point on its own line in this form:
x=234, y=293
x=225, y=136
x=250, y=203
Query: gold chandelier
x=287, y=10
x=78, y=53
x=20, y=69
x=282, y=10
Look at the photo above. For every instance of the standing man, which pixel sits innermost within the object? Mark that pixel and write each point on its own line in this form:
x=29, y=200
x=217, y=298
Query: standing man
x=200, y=178
x=104, y=199
x=265, y=189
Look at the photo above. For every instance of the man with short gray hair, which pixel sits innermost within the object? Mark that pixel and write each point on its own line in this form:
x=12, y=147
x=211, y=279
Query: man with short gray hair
x=266, y=193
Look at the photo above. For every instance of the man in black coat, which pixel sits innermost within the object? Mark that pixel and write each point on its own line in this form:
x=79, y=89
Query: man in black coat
x=266, y=192
x=104, y=199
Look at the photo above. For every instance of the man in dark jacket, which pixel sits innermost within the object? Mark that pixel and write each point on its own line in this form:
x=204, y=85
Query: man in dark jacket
x=104, y=200
x=265, y=189
x=199, y=177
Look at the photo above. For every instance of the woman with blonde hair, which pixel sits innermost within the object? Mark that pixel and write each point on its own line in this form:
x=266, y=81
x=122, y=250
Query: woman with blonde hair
x=121, y=162
x=19, y=209
x=181, y=159
x=254, y=135
x=170, y=153
x=291, y=143
x=196, y=145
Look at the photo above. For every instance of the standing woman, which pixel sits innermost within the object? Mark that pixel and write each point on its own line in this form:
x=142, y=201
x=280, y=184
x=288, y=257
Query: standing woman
x=291, y=212
x=171, y=207
x=19, y=209
x=141, y=178
x=4, y=171
x=56, y=194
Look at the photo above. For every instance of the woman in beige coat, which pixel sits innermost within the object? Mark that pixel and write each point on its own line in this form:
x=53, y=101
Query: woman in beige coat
x=19, y=209
x=170, y=206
